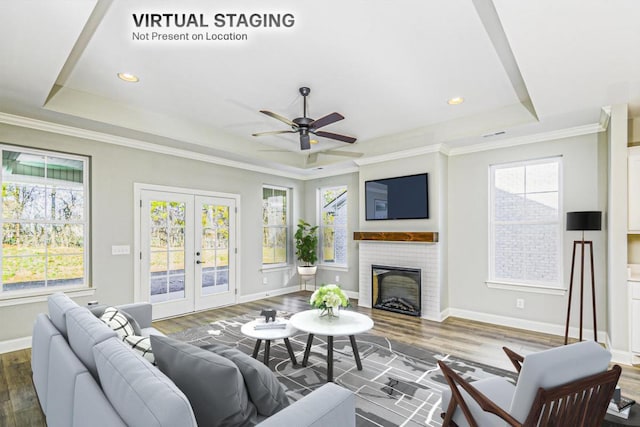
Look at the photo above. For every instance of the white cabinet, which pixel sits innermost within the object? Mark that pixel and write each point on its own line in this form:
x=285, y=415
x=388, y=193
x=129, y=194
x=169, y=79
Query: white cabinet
x=635, y=316
x=634, y=189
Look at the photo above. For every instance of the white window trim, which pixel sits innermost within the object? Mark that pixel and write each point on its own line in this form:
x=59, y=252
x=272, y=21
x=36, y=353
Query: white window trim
x=535, y=287
x=27, y=296
x=321, y=263
x=287, y=263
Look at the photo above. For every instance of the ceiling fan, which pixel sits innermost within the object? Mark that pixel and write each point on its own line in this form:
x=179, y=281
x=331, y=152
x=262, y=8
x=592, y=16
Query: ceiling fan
x=305, y=125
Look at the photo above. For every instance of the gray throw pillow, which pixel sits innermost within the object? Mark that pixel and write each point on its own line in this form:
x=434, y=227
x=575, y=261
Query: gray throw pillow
x=265, y=391
x=213, y=384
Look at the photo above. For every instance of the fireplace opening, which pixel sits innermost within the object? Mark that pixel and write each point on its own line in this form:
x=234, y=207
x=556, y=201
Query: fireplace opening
x=396, y=289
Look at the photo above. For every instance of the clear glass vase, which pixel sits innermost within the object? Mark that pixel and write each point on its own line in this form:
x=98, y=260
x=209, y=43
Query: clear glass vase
x=329, y=312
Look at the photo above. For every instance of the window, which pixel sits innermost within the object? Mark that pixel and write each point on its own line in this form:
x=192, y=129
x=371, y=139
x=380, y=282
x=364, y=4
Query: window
x=275, y=225
x=333, y=225
x=45, y=220
x=525, y=223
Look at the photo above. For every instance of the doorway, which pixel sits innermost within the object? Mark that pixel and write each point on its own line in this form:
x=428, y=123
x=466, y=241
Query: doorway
x=187, y=250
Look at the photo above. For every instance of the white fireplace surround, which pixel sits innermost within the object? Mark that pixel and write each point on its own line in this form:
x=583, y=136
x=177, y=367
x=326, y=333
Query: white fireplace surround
x=425, y=256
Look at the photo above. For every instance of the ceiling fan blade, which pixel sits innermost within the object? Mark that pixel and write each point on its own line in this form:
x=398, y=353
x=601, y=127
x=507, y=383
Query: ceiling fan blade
x=273, y=132
x=305, y=144
x=337, y=136
x=278, y=117
x=326, y=120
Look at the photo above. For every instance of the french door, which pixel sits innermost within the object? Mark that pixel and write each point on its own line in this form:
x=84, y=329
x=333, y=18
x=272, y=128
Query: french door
x=187, y=251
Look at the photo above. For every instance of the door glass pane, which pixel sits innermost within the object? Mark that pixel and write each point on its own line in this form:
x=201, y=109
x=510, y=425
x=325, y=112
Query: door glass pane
x=215, y=249
x=166, y=251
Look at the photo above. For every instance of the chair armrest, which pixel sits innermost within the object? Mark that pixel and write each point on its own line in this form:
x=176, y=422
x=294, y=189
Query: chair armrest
x=141, y=311
x=515, y=358
x=328, y=406
x=454, y=380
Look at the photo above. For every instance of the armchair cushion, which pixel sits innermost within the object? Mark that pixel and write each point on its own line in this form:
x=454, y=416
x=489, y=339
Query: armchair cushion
x=497, y=389
x=554, y=367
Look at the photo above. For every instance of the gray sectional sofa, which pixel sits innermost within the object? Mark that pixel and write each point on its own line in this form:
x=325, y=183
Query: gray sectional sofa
x=84, y=375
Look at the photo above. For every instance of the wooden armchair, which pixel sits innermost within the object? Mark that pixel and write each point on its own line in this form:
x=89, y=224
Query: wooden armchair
x=564, y=386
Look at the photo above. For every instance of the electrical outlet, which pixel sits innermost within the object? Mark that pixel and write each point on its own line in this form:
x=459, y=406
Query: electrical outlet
x=337, y=278
x=265, y=281
x=120, y=250
x=520, y=303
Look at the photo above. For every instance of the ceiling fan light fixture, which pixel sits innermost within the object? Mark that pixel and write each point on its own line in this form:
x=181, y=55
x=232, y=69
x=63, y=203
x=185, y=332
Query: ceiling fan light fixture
x=128, y=77
x=455, y=101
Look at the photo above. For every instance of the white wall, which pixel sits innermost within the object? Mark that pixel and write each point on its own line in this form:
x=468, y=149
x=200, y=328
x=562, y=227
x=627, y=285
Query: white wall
x=114, y=170
x=468, y=193
x=618, y=303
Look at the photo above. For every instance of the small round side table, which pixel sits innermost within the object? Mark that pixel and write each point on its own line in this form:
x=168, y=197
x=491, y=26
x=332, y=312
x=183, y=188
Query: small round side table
x=268, y=335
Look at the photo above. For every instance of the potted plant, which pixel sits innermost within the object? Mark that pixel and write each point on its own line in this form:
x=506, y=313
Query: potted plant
x=306, y=248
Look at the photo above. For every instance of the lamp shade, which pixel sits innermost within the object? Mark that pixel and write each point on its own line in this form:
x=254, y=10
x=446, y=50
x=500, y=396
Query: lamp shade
x=585, y=220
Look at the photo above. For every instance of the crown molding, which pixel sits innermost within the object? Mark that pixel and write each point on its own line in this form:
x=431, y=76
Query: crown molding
x=51, y=127
x=399, y=155
x=529, y=139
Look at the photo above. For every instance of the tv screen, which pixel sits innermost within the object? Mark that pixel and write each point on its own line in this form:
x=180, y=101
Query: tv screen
x=403, y=197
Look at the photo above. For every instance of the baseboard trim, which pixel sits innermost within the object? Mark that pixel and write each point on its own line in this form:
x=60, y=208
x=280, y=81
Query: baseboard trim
x=267, y=294
x=15, y=344
x=529, y=325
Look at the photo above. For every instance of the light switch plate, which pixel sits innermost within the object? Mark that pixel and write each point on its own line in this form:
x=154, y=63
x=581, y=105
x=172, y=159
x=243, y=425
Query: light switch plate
x=120, y=250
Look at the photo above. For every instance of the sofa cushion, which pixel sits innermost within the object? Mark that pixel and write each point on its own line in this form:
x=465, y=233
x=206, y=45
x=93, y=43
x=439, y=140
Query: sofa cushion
x=117, y=321
x=212, y=383
x=265, y=391
x=141, y=345
x=140, y=393
x=85, y=331
x=58, y=305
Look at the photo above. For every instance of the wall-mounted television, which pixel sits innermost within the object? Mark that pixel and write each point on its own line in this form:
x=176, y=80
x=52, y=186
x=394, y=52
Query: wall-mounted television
x=402, y=197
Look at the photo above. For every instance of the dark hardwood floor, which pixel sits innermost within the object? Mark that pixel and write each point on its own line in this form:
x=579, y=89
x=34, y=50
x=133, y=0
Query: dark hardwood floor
x=475, y=341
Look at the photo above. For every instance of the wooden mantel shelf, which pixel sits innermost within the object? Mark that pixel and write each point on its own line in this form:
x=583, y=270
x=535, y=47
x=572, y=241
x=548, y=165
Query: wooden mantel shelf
x=397, y=236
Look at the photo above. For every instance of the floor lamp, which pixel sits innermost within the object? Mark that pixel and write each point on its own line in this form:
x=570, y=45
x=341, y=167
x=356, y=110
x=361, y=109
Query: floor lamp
x=582, y=221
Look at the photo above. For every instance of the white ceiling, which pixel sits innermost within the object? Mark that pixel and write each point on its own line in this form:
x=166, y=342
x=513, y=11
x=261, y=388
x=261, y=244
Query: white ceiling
x=523, y=67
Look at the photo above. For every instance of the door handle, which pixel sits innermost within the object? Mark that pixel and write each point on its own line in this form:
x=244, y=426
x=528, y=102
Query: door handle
x=198, y=262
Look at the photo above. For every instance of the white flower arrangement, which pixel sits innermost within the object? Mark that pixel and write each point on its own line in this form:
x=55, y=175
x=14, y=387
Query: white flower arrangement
x=329, y=298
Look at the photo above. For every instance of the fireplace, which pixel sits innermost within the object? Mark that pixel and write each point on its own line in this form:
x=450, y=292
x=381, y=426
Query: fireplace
x=396, y=289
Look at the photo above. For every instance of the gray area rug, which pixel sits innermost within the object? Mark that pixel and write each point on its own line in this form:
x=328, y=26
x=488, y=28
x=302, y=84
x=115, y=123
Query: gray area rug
x=399, y=385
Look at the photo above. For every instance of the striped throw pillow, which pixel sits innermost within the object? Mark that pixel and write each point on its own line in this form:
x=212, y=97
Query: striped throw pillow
x=142, y=346
x=117, y=321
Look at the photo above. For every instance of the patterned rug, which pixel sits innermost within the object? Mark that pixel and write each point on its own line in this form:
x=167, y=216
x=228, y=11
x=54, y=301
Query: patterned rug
x=399, y=385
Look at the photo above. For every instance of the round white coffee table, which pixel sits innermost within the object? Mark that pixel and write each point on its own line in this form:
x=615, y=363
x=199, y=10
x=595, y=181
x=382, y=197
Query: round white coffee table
x=268, y=335
x=349, y=323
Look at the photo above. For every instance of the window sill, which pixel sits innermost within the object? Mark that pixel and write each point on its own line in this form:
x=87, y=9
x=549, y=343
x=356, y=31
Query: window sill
x=30, y=297
x=332, y=267
x=526, y=287
x=277, y=267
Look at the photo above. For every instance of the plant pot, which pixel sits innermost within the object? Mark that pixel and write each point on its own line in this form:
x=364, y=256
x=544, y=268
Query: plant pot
x=307, y=270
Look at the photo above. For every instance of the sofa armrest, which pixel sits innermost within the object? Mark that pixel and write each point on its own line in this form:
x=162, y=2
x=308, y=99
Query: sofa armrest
x=330, y=406
x=141, y=311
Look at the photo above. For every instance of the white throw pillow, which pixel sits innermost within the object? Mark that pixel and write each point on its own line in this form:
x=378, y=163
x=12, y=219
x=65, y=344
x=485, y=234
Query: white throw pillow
x=117, y=321
x=142, y=346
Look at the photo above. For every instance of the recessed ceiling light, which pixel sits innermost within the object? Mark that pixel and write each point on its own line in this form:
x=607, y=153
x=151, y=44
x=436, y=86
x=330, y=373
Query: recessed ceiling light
x=455, y=101
x=128, y=77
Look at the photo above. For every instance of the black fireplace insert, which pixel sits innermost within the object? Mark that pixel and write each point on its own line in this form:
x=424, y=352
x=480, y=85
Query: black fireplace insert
x=396, y=289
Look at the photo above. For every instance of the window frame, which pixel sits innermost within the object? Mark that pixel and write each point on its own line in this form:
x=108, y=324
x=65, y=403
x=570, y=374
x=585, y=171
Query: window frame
x=286, y=227
x=321, y=227
x=41, y=293
x=556, y=288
